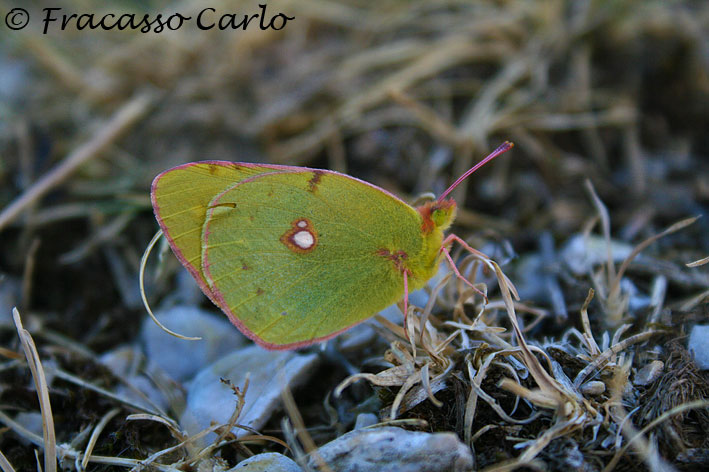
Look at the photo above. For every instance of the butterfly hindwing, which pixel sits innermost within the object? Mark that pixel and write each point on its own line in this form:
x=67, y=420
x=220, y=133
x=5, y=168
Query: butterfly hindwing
x=294, y=257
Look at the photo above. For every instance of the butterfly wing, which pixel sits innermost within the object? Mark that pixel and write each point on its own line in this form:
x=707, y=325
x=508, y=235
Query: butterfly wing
x=180, y=197
x=295, y=257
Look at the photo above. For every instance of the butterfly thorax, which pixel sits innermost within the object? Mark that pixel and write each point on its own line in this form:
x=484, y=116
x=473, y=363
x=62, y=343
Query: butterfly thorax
x=436, y=217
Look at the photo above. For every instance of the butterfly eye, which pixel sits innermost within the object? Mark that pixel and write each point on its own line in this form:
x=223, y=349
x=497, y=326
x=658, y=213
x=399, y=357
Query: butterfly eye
x=439, y=217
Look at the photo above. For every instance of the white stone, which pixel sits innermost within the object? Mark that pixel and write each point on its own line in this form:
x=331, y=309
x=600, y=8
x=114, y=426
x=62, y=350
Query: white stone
x=699, y=346
x=365, y=419
x=581, y=253
x=649, y=373
x=179, y=358
x=391, y=449
x=209, y=400
x=268, y=461
x=128, y=363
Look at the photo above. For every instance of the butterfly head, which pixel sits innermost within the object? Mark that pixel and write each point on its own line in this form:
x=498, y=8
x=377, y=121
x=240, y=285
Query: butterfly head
x=437, y=214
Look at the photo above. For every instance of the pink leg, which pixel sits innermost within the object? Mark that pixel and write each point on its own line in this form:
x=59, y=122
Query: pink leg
x=453, y=237
x=406, y=294
x=458, y=274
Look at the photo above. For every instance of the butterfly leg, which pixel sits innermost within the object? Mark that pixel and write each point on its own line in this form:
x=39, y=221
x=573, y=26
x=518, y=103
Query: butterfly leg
x=455, y=238
x=406, y=294
x=459, y=275
x=486, y=260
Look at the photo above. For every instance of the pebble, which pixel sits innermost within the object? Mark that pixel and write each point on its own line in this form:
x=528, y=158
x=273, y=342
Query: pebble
x=581, y=254
x=209, y=400
x=391, y=449
x=649, y=373
x=365, y=419
x=268, y=461
x=699, y=346
x=179, y=358
x=31, y=421
x=127, y=363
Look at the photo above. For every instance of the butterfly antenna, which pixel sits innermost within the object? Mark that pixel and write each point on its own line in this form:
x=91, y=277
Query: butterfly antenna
x=501, y=149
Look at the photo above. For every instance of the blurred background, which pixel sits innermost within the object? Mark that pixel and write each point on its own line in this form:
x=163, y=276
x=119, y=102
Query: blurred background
x=404, y=94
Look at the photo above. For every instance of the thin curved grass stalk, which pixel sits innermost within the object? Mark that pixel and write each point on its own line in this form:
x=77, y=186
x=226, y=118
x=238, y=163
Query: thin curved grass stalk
x=141, y=280
x=95, y=435
x=408, y=384
x=615, y=284
x=426, y=383
x=588, y=338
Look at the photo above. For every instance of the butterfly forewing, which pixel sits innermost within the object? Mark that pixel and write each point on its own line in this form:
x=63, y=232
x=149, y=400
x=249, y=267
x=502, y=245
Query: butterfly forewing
x=180, y=197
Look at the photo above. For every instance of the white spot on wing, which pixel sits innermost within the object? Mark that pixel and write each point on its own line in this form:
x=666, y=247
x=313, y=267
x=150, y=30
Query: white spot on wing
x=303, y=239
x=302, y=224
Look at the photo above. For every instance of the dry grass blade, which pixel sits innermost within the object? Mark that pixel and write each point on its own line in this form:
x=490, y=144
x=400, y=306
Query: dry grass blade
x=104, y=392
x=125, y=118
x=426, y=382
x=560, y=428
x=665, y=416
x=300, y=430
x=5, y=464
x=49, y=440
x=543, y=379
x=590, y=341
x=606, y=226
x=412, y=380
x=388, y=378
x=615, y=286
x=606, y=355
x=169, y=422
x=95, y=434
x=698, y=263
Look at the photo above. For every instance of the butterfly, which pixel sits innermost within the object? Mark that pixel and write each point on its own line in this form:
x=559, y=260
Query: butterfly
x=295, y=255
